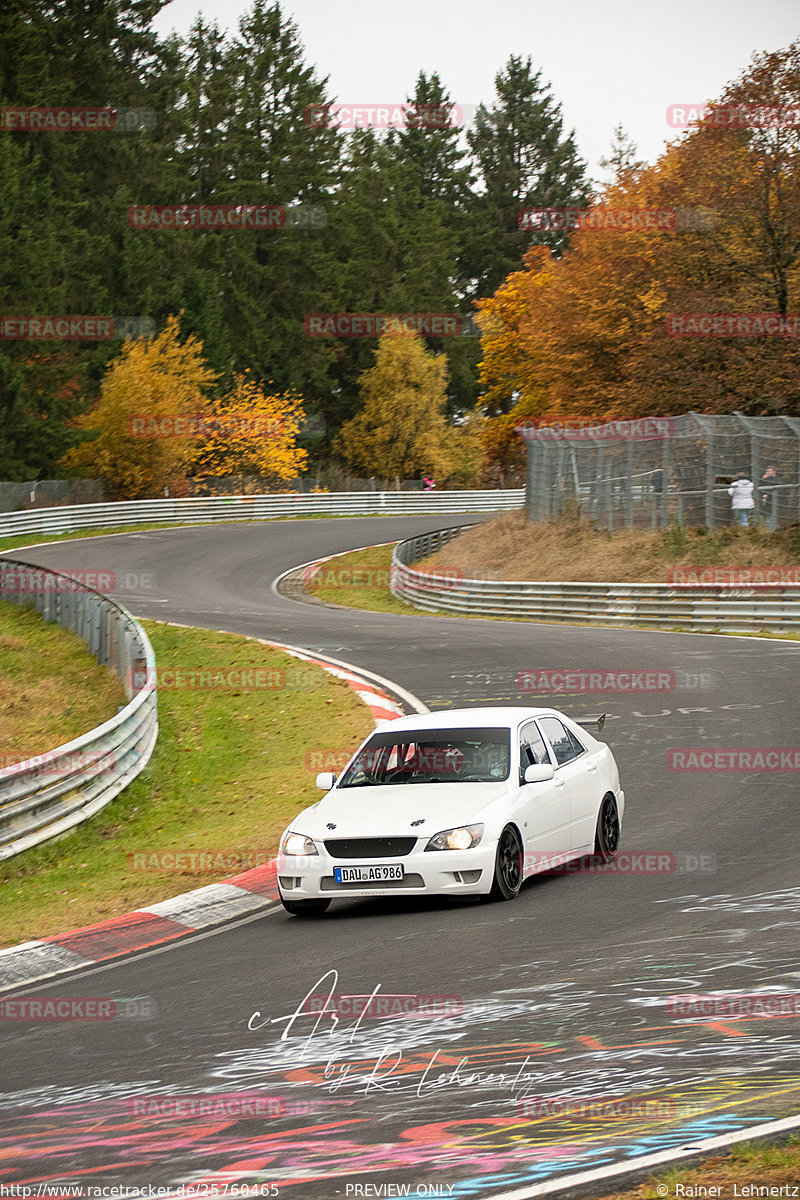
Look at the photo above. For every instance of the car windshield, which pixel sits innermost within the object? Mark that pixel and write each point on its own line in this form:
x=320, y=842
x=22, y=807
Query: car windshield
x=431, y=756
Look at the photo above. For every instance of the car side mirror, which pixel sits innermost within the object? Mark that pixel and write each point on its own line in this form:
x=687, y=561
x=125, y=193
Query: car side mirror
x=539, y=772
x=326, y=780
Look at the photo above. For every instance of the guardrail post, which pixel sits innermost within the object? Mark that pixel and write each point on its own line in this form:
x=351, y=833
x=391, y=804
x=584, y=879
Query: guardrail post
x=711, y=478
x=628, y=488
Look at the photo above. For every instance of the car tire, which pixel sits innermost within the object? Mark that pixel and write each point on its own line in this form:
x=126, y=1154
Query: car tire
x=305, y=908
x=507, y=866
x=606, y=838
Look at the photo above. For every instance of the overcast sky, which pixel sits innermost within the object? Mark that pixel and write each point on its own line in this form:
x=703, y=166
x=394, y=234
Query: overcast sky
x=608, y=61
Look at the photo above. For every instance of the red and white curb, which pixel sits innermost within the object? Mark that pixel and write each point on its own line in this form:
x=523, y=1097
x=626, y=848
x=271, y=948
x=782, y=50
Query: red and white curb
x=215, y=904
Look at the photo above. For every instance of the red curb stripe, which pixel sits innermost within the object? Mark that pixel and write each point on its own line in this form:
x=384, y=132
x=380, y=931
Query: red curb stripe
x=118, y=935
x=262, y=881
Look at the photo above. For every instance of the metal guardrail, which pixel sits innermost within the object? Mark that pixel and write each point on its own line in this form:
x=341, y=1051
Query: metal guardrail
x=202, y=509
x=741, y=609
x=43, y=797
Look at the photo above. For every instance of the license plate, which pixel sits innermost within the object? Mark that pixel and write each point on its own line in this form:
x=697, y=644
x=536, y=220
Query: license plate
x=378, y=874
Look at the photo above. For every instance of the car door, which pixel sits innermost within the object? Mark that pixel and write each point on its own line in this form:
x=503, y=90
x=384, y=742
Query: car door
x=547, y=806
x=578, y=772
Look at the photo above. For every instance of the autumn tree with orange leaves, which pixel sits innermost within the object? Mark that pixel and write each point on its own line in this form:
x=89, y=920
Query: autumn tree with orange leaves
x=585, y=336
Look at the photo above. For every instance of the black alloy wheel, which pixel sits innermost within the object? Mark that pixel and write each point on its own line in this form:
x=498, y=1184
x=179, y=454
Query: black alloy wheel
x=507, y=866
x=606, y=838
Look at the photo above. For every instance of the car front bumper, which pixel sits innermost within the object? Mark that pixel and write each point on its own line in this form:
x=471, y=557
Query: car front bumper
x=432, y=872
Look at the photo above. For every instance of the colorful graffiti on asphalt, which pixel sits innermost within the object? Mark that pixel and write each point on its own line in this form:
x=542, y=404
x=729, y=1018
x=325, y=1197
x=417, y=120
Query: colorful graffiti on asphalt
x=474, y=1153
x=439, y=1097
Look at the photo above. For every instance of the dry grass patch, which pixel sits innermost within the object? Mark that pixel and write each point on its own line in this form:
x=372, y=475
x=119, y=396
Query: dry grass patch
x=511, y=547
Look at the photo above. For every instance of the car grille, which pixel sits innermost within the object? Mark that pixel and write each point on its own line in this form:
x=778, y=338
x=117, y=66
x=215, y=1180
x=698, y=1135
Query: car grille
x=394, y=847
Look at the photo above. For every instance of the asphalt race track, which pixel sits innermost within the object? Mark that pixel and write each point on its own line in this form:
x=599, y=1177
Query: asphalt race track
x=559, y=1047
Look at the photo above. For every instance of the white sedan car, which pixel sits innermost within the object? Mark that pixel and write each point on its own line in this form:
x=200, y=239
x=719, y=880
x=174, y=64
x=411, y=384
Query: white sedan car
x=459, y=803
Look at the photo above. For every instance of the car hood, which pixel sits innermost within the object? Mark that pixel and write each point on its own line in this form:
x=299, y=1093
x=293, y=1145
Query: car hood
x=387, y=811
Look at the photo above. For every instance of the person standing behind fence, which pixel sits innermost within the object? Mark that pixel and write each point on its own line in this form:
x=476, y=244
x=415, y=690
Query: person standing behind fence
x=742, y=502
x=767, y=497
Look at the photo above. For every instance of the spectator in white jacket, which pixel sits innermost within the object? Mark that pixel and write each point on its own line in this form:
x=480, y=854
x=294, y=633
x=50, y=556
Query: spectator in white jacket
x=742, y=502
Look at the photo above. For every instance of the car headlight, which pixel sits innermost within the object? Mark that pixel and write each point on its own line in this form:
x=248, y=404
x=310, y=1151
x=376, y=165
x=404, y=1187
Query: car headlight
x=463, y=838
x=298, y=843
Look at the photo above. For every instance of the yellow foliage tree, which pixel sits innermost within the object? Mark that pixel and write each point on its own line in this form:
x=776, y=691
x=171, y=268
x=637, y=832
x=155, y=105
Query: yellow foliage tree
x=402, y=429
x=254, y=432
x=154, y=382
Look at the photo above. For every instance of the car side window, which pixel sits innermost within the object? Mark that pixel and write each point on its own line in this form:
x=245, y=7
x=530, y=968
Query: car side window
x=566, y=746
x=532, y=749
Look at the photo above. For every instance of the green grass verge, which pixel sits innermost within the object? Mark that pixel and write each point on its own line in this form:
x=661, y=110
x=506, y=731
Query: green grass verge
x=358, y=580
x=51, y=689
x=741, y=1172
x=229, y=771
